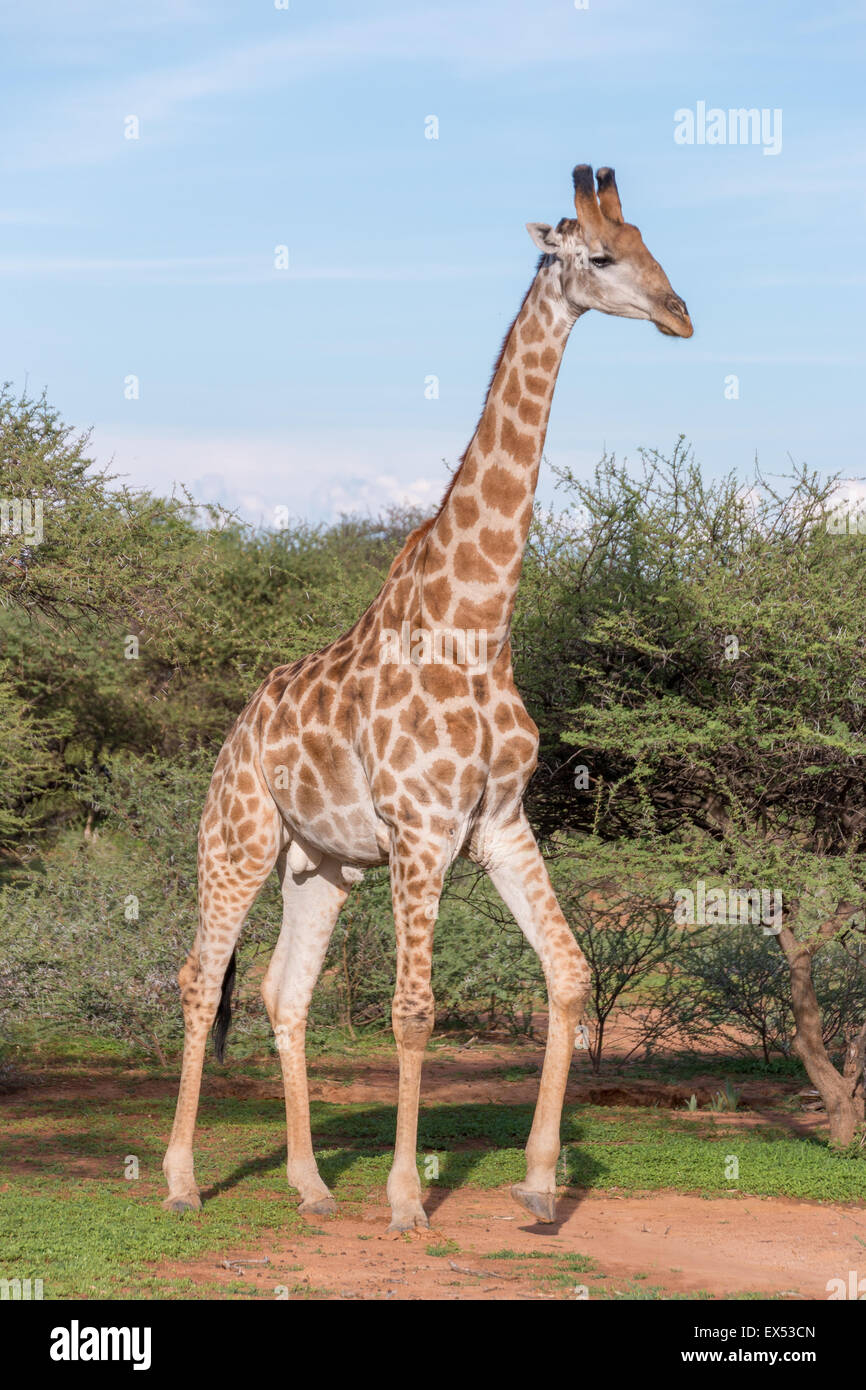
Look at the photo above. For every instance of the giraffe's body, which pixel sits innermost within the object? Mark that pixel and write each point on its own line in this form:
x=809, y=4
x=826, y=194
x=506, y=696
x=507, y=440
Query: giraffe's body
x=355, y=740
x=355, y=756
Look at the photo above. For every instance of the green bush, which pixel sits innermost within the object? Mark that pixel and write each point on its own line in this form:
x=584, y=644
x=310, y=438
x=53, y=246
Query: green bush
x=136, y=629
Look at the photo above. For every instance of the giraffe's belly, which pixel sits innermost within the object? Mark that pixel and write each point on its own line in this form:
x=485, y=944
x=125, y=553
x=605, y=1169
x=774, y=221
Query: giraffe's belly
x=349, y=761
x=327, y=805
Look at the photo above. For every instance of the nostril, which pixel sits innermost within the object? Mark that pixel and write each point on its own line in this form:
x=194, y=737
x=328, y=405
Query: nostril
x=678, y=306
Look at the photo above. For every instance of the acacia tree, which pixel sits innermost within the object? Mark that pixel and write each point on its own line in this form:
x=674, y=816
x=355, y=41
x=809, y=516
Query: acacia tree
x=721, y=665
x=87, y=564
x=617, y=898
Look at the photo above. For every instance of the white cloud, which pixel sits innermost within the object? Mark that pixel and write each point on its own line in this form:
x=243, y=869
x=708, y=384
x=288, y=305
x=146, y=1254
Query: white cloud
x=318, y=476
x=849, y=496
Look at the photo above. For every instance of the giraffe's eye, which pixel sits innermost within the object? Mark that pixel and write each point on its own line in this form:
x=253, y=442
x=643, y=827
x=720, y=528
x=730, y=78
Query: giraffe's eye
x=601, y=261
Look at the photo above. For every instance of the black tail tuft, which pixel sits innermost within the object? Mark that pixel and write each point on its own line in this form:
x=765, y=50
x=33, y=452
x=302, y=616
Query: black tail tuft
x=223, y=1019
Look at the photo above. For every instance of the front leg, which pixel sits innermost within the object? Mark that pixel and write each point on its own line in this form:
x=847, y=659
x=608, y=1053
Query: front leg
x=520, y=876
x=415, y=890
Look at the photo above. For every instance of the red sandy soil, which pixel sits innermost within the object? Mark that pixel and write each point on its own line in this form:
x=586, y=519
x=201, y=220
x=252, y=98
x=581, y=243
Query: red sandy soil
x=677, y=1244
x=453, y=1074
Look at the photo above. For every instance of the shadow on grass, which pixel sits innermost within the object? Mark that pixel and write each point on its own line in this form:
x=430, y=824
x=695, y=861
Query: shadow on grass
x=787, y=1126
x=369, y=1133
x=259, y=1167
x=462, y=1137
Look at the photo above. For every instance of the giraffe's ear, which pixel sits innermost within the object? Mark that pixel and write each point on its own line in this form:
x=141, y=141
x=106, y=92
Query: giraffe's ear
x=546, y=238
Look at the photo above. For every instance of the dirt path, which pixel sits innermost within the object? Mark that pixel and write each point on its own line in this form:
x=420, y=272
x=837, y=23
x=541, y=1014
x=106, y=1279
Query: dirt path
x=678, y=1244
x=452, y=1075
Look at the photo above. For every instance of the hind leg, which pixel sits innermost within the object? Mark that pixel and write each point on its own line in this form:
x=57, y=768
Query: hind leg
x=311, y=904
x=520, y=876
x=227, y=890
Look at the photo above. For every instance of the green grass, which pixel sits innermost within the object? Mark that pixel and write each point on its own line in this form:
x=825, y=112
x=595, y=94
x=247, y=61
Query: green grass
x=478, y=1145
x=443, y=1248
x=516, y=1073
x=685, y=1065
x=68, y=1216
x=95, y=1242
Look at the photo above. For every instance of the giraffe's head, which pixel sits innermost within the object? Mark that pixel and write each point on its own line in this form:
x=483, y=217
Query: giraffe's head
x=602, y=261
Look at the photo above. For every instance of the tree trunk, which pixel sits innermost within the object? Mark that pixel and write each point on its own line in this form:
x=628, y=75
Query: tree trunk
x=844, y=1109
x=854, y=1068
x=764, y=1046
x=163, y=1060
x=347, y=977
x=595, y=1052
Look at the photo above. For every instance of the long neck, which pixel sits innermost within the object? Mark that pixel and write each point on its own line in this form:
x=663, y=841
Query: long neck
x=474, y=549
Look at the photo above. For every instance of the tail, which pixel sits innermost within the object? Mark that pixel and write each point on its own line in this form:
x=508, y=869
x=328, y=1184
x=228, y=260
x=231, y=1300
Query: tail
x=223, y=1019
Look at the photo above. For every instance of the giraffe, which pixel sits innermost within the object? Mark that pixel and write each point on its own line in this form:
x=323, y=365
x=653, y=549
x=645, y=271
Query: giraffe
x=399, y=744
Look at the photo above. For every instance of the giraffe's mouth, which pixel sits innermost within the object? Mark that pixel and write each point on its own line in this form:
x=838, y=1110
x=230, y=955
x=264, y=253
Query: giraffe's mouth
x=683, y=329
x=676, y=322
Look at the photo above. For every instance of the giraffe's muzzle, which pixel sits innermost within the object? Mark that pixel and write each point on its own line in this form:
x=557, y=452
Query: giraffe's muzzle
x=676, y=322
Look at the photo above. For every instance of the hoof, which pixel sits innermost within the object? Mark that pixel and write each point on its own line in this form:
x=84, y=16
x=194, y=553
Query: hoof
x=541, y=1205
x=414, y=1221
x=190, y=1202
x=322, y=1206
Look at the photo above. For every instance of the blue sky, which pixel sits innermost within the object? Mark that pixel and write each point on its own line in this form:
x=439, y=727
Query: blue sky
x=408, y=257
